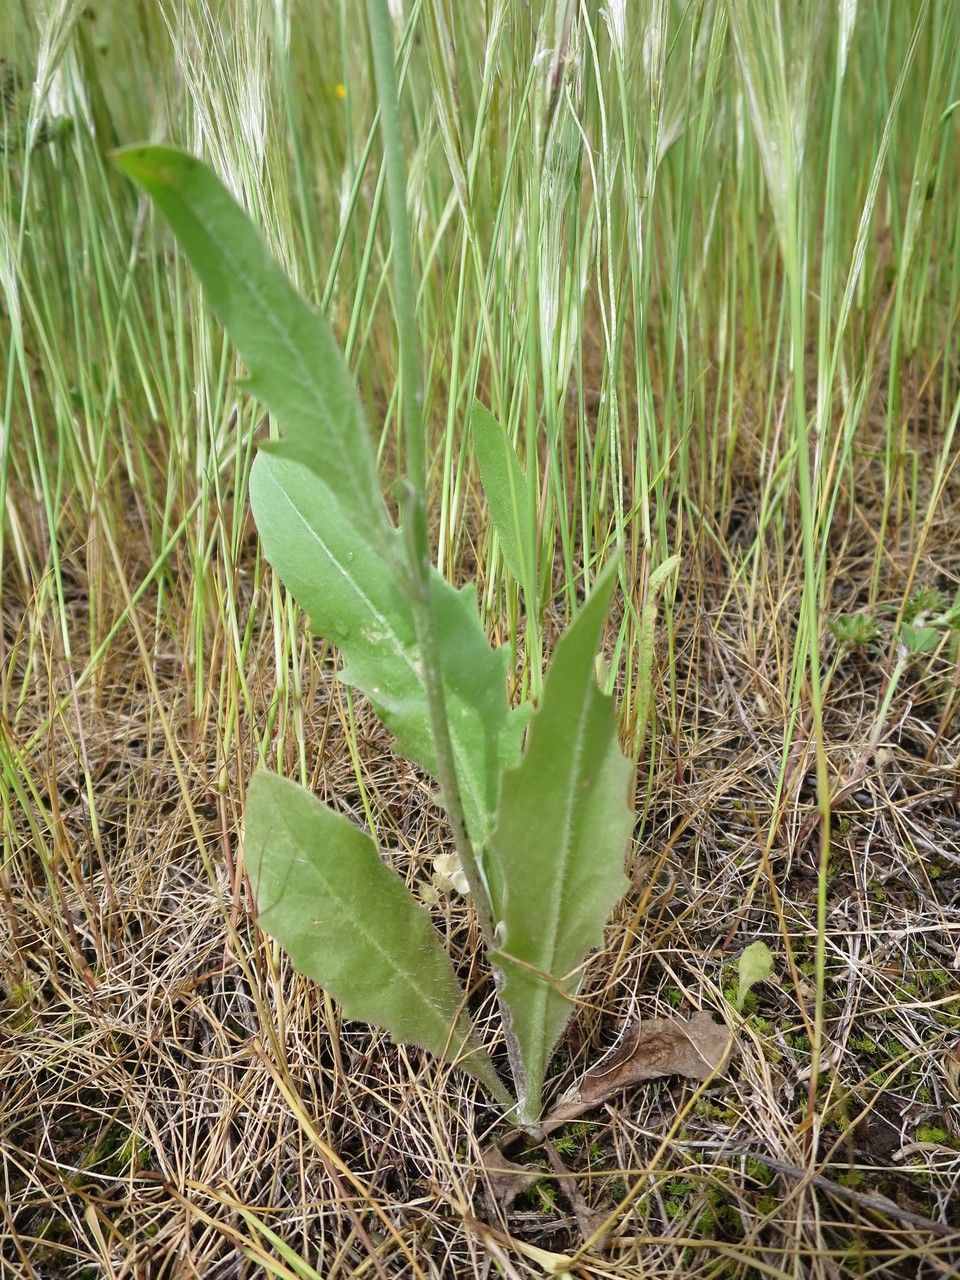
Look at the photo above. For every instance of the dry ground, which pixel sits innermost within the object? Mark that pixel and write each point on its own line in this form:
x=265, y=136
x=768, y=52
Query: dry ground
x=175, y=1102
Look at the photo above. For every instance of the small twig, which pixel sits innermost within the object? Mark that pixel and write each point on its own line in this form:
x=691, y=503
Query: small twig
x=876, y=1204
x=568, y=1188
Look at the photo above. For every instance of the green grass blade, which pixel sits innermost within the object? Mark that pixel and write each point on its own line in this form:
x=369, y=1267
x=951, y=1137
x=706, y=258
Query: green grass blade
x=505, y=488
x=556, y=853
x=295, y=366
x=348, y=921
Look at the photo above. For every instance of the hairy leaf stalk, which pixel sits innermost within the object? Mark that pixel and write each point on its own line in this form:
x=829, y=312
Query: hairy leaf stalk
x=415, y=521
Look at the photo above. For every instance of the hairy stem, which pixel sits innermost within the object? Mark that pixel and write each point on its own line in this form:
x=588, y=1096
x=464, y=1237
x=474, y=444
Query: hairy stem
x=414, y=496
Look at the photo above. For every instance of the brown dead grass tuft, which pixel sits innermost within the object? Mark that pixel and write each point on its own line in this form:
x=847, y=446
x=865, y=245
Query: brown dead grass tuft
x=176, y=1102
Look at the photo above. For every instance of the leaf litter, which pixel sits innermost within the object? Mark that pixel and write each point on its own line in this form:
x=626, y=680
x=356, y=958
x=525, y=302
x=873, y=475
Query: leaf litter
x=697, y=1048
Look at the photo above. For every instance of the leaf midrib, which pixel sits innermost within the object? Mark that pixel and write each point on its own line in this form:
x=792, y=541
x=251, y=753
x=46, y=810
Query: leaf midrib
x=307, y=387
x=542, y=989
x=465, y=776
x=369, y=937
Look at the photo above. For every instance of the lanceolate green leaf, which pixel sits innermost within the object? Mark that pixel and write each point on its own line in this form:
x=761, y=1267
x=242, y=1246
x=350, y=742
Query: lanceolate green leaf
x=347, y=588
x=295, y=366
x=347, y=921
x=316, y=497
x=555, y=858
x=505, y=488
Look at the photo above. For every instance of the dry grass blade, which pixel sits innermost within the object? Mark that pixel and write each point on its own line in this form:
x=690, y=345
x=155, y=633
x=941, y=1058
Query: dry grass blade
x=174, y=1101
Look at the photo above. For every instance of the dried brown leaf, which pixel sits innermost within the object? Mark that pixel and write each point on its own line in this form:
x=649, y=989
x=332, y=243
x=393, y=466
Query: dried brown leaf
x=505, y=1179
x=660, y=1047
x=696, y=1048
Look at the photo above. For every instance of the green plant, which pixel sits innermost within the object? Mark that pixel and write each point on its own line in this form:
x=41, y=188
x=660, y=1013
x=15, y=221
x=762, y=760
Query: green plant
x=540, y=826
x=924, y=600
x=755, y=965
x=857, y=630
x=934, y=1133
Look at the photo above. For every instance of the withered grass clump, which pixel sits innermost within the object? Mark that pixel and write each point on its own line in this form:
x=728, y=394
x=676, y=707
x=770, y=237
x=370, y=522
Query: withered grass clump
x=174, y=1100
x=172, y=1096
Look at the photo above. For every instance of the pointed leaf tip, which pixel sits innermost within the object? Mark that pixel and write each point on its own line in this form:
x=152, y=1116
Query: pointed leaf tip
x=557, y=849
x=505, y=487
x=295, y=366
